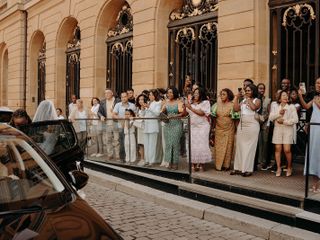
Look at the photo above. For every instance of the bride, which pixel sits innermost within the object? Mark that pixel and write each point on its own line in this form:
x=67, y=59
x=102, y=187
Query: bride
x=46, y=112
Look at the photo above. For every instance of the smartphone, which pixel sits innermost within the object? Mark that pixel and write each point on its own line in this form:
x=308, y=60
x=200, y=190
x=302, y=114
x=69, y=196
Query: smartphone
x=302, y=86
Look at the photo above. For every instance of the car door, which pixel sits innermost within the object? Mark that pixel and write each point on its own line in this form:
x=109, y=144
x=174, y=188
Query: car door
x=59, y=141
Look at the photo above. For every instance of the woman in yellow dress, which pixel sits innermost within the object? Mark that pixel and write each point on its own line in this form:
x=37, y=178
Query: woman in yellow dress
x=224, y=129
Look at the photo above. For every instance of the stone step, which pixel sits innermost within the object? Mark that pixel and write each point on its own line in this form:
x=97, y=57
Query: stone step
x=285, y=214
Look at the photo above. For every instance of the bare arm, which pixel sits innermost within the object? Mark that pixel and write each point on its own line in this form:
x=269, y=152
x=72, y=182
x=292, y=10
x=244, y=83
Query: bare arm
x=254, y=106
x=303, y=102
x=236, y=105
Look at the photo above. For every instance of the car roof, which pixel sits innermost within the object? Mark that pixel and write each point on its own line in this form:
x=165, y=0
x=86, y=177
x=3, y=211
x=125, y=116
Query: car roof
x=5, y=109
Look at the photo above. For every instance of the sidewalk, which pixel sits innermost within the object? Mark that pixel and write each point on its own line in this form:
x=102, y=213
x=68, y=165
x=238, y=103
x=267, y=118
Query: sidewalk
x=249, y=224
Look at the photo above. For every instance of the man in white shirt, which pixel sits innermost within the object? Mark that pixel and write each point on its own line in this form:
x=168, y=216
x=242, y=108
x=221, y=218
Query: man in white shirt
x=109, y=127
x=119, y=113
x=73, y=105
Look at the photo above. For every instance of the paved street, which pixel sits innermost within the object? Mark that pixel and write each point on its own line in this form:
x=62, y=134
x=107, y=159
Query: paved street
x=134, y=218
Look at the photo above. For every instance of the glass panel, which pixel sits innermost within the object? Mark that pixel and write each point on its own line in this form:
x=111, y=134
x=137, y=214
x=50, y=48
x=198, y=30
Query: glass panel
x=23, y=174
x=125, y=142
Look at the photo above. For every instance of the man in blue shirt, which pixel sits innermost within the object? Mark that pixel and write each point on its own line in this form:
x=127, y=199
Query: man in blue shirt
x=119, y=113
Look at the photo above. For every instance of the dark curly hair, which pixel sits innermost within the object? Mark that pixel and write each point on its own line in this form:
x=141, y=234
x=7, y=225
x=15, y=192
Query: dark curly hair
x=230, y=94
x=145, y=100
x=174, y=91
x=254, y=90
x=19, y=113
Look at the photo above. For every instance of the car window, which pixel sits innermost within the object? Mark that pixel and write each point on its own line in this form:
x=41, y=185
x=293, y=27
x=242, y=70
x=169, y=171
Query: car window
x=24, y=175
x=5, y=117
x=53, y=137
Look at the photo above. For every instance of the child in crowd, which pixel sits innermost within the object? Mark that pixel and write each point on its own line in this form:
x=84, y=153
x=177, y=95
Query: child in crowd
x=129, y=136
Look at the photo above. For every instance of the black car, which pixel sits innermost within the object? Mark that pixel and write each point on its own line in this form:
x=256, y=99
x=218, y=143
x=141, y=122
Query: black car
x=59, y=141
x=36, y=202
x=5, y=114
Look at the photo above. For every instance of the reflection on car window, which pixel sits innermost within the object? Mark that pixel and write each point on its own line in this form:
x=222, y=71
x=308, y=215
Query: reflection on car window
x=52, y=138
x=24, y=174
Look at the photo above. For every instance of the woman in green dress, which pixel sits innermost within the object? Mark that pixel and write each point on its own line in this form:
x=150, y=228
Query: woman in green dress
x=174, y=109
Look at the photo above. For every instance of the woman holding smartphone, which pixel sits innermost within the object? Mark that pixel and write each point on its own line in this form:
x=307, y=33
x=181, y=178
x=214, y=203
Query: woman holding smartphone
x=314, y=149
x=247, y=132
x=284, y=115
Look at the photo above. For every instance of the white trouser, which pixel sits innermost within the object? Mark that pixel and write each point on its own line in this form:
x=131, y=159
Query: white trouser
x=130, y=147
x=150, y=147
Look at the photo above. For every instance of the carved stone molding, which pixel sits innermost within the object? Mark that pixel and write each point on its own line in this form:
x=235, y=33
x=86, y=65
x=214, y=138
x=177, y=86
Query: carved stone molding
x=76, y=40
x=124, y=23
x=298, y=14
x=193, y=8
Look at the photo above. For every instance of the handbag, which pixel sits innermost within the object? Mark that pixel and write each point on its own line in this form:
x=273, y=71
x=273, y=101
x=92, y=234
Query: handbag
x=163, y=117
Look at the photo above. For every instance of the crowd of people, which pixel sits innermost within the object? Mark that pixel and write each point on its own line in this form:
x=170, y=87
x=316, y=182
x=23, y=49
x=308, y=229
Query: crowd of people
x=244, y=127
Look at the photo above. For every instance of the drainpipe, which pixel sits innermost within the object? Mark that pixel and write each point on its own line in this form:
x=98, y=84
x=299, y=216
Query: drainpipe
x=25, y=13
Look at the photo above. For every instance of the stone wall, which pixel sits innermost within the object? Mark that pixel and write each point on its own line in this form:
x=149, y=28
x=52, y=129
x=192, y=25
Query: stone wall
x=242, y=52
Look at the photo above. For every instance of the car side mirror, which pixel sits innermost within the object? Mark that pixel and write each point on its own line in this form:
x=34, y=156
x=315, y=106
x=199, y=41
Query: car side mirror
x=78, y=179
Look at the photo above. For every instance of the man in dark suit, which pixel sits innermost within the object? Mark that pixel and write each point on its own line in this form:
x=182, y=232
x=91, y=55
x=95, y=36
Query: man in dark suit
x=110, y=127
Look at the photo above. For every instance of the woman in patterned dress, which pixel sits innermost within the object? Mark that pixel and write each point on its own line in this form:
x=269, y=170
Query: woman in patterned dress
x=174, y=109
x=224, y=130
x=199, y=110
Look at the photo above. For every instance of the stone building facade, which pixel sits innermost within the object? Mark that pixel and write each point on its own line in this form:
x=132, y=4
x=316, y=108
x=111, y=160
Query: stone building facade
x=53, y=48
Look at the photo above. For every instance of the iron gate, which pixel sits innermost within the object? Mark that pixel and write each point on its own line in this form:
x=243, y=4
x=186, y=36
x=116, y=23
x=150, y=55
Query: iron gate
x=193, y=44
x=294, y=46
x=73, y=68
x=42, y=73
x=119, y=52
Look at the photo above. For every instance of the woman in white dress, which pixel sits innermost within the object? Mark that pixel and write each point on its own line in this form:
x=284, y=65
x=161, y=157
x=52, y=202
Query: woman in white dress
x=142, y=99
x=314, y=144
x=247, y=131
x=199, y=110
x=46, y=112
x=285, y=117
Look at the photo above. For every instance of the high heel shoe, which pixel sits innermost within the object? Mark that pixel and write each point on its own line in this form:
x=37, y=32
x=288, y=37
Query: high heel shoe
x=278, y=173
x=289, y=172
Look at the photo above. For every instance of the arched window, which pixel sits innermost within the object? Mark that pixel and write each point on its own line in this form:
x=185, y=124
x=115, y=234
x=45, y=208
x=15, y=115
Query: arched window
x=73, y=66
x=193, y=44
x=119, y=52
x=42, y=73
x=294, y=42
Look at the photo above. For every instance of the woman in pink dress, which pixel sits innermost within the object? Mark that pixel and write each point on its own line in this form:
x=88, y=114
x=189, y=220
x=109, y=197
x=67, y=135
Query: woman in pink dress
x=199, y=110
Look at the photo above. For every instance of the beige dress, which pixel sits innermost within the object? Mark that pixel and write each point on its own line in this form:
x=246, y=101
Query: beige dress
x=284, y=133
x=224, y=135
x=247, y=139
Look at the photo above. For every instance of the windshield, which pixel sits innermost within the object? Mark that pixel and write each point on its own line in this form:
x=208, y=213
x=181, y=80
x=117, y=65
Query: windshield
x=24, y=175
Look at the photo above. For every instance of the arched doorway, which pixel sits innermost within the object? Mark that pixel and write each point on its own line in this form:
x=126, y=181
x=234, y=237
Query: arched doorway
x=67, y=62
x=4, y=75
x=37, y=70
x=294, y=42
x=119, y=52
x=106, y=20
x=73, y=66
